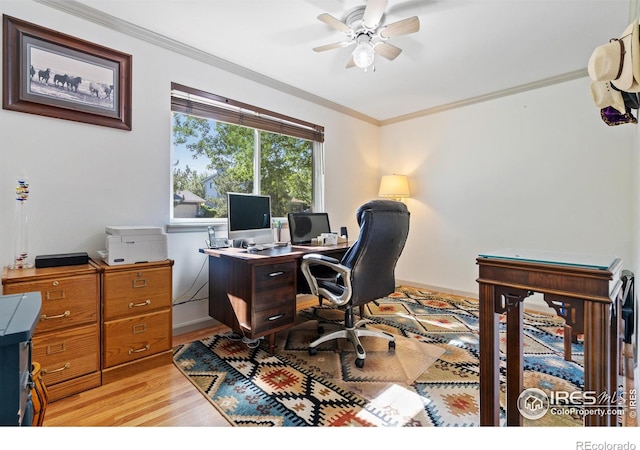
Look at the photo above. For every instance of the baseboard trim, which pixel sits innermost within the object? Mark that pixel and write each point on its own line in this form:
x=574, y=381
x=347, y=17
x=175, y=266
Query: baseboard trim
x=194, y=325
x=535, y=302
x=444, y=290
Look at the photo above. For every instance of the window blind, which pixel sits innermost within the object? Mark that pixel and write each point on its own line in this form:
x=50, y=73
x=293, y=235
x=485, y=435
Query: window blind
x=204, y=104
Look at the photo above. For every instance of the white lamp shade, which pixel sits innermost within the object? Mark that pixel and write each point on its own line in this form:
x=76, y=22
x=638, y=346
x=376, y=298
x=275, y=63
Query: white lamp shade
x=394, y=187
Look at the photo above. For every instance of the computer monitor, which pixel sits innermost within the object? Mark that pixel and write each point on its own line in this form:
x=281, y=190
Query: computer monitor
x=305, y=226
x=249, y=218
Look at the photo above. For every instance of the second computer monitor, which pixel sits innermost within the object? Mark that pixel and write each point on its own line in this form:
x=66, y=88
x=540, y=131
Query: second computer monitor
x=305, y=226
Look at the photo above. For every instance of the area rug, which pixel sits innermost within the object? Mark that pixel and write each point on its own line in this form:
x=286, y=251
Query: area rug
x=431, y=379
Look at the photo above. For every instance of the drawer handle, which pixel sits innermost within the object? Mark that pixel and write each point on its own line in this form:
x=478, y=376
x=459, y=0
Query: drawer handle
x=59, y=316
x=139, y=283
x=143, y=349
x=55, y=295
x=65, y=367
x=135, y=305
x=276, y=274
x=276, y=317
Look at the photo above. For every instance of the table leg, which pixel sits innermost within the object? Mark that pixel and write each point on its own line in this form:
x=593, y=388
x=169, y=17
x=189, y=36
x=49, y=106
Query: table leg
x=597, y=359
x=515, y=359
x=616, y=363
x=489, y=357
x=568, y=339
x=272, y=343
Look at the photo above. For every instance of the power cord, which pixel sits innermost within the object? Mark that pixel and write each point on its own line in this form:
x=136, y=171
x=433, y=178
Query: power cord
x=181, y=299
x=233, y=335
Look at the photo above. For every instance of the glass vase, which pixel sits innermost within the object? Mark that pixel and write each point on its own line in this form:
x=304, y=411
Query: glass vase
x=21, y=253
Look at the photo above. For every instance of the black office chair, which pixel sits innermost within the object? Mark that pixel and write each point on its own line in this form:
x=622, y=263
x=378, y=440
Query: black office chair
x=365, y=273
x=628, y=305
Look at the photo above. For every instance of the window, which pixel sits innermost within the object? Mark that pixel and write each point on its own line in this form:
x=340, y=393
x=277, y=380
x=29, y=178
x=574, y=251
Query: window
x=220, y=146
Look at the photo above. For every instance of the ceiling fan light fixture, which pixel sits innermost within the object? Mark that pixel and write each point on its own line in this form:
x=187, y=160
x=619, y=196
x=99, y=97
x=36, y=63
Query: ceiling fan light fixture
x=363, y=55
x=364, y=26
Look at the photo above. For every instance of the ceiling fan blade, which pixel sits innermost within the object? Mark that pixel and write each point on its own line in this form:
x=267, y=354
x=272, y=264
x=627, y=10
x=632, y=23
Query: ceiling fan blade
x=324, y=48
x=405, y=26
x=373, y=13
x=351, y=63
x=334, y=23
x=387, y=50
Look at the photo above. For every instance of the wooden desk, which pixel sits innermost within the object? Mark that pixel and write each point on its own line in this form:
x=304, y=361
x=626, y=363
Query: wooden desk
x=255, y=293
x=586, y=294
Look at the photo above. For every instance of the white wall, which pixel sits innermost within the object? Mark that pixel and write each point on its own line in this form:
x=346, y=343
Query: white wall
x=536, y=170
x=85, y=177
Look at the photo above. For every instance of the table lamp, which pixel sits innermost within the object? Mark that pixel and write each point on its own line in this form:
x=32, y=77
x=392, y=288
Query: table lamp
x=394, y=187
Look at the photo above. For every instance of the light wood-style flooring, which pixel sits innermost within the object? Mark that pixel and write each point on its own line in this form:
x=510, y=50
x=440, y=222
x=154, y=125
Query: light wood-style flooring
x=160, y=397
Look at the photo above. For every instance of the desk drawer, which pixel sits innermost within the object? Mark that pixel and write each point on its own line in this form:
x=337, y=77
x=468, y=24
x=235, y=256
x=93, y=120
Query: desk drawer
x=136, y=292
x=133, y=338
x=69, y=354
x=66, y=301
x=270, y=319
x=274, y=286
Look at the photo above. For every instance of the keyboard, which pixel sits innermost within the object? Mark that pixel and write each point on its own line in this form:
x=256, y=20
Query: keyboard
x=263, y=246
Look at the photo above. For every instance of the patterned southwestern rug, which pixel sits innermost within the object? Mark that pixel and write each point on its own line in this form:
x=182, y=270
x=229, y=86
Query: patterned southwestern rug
x=431, y=379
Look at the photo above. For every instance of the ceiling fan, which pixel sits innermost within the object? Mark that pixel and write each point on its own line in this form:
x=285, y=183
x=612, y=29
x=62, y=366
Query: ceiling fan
x=364, y=27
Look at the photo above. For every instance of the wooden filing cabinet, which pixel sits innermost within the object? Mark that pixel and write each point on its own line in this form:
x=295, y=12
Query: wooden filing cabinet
x=136, y=318
x=66, y=341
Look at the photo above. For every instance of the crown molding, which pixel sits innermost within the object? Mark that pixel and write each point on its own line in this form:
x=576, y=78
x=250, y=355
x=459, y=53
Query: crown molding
x=491, y=96
x=88, y=13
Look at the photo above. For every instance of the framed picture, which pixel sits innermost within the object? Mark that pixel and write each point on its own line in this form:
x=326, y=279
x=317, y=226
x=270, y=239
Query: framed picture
x=53, y=74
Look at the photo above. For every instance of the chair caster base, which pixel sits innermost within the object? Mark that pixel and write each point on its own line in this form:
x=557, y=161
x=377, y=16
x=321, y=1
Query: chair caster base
x=359, y=363
x=313, y=351
x=392, y=345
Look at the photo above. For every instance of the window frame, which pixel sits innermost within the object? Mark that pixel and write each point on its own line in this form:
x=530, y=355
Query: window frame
x=191, y=101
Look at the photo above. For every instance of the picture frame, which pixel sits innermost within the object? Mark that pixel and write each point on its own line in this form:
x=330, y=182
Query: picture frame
x=52, y=74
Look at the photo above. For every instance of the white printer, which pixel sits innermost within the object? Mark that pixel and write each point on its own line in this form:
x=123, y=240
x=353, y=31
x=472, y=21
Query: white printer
x=131, y=244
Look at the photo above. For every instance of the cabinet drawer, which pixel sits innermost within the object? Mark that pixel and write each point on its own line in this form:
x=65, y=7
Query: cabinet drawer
x=136, y=292
x=270, y=319
x=136, y=337
x=274, y=286
x=69, y=354
x=66, y=301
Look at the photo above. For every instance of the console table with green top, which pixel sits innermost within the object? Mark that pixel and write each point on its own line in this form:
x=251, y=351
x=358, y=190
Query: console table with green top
x=585, y=290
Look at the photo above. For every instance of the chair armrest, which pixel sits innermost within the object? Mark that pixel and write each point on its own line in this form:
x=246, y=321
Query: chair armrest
x=316, y=259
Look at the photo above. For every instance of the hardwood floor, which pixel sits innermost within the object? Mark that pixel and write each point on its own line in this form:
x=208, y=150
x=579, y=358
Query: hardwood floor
x=160, y=397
